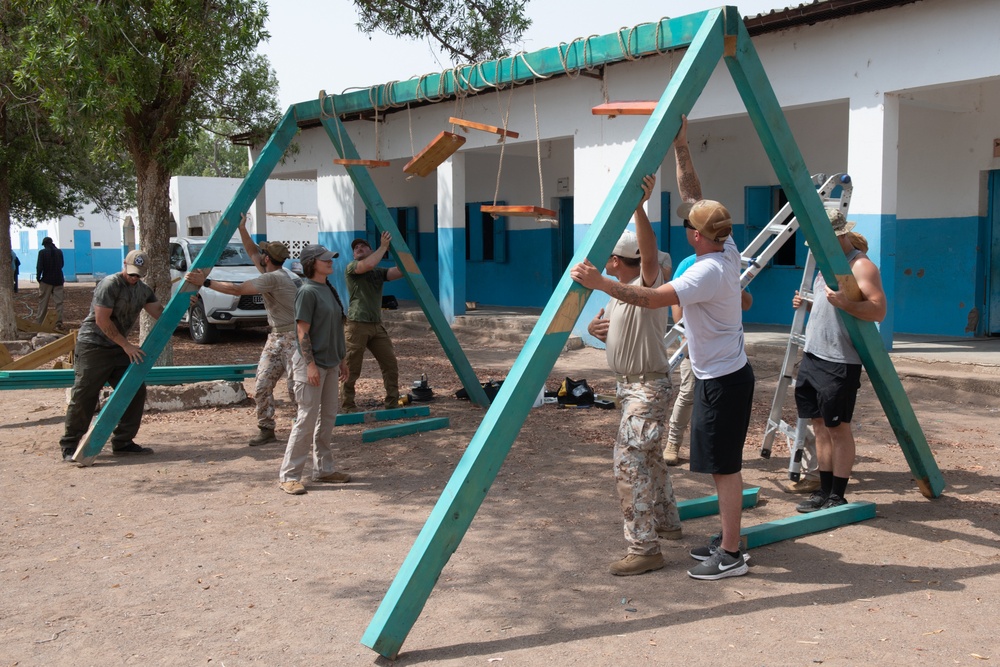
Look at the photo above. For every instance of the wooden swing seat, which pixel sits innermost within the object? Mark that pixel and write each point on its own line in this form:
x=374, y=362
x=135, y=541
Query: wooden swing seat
x=485, y=128
x=643, y=108
x=520, y=211
x=361, y=163
x=442, y=147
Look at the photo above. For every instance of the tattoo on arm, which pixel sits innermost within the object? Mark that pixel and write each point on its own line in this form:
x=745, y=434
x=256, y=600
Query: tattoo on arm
x=632, y=294
x=687, y=178
x=306, y=348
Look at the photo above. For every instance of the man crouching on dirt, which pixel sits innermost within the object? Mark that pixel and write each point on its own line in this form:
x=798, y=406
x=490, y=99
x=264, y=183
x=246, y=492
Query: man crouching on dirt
x=103, y=354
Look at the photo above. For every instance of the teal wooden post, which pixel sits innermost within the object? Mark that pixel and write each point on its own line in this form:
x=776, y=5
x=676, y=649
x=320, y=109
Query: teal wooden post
x=404, y=260
x=767, y=117
x=157, y=339
x=477, y=469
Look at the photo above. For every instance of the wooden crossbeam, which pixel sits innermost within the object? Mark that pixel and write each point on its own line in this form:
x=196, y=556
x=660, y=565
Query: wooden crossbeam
x=158, y=375
x=361, y=163
x=441, y=147
x=397, y=430
x=5, y=357
x=381, y=415
x=519, y=211
x=709, y=505
x=44, y=354
x=644, y=108
x=48, y=324
x=804, y=524
x=483, y=127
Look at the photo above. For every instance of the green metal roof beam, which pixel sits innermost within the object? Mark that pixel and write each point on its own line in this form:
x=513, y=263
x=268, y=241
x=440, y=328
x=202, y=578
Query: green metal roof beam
x=581, y=54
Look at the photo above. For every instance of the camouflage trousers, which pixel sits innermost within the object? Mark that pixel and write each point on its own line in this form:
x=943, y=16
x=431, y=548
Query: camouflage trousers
x=275, y=361
x=641, y=477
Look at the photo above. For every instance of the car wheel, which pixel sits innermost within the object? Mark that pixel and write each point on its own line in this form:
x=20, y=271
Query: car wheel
x=202, y=331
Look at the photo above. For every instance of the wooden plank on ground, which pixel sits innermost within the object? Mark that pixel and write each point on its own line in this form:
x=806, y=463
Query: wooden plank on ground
x=519, y=211
x=158, y=375
x=397, y=430
x=709, y=505
x=804, y=524
x=381, y=415
x=644, y=108
x=44, y=354
x=5, y=357
x=483, y=127
x=441, y=147
x=48, y=324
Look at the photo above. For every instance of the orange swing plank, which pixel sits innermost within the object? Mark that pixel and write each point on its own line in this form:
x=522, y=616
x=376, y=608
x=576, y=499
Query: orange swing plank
x=485, y=128
x=360, y=163
x=523, y=211
x=624, y=108
x=437, y=151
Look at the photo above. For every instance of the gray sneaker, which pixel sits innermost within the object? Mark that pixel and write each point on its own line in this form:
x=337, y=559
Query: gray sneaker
x=815, y=501
x=720, y=566
x=705, y=552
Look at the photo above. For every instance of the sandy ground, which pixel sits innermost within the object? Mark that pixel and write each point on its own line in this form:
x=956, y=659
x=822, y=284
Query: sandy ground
x=194, y=556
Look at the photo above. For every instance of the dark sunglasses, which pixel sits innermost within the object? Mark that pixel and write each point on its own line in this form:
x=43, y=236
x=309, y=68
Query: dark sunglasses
x=689, y=225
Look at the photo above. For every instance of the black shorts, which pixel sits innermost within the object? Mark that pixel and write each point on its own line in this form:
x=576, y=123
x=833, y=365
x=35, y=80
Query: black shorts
x=719, y=422
x=827, y=389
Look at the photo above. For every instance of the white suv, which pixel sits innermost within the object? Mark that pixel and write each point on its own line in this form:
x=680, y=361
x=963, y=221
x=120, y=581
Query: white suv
x=215, y=310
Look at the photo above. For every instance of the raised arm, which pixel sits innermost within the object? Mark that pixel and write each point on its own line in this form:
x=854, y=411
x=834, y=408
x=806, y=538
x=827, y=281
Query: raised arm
x=649, y=257
x=687, y=177
x=371, y=261
x=249, y=245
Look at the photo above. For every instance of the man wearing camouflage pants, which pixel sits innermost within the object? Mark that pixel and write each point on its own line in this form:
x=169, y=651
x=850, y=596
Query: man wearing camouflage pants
x=278, y=290
x=637, y=354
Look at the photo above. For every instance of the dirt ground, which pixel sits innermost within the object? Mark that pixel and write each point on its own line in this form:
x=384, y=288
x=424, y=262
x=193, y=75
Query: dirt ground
x=194, y=556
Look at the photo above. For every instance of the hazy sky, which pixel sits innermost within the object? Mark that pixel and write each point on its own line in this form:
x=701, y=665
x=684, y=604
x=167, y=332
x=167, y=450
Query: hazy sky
x=316, y=45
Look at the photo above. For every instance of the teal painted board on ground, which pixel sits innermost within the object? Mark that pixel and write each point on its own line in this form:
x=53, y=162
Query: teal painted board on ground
x=158, y=337
x=789, y=166
x=381, y=415
x=709, y=505
x=409, y=428
x=804, y=524
x=158, y=375
x=376, y=207
x=477, y=469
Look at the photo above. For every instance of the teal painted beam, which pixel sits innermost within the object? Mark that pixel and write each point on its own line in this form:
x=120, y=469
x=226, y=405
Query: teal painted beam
x=160, y=335
x=408, y=428
x=593, y=52
x=158, y=375
x=695, y=508
x=381, y=415
x=404, y=260
x=477, y=469
x=767, y=117
x=804, y=524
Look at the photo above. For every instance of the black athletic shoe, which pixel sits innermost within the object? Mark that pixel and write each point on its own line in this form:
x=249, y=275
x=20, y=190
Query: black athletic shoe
x=130, y=449
x=833, y=501
x=815, y=502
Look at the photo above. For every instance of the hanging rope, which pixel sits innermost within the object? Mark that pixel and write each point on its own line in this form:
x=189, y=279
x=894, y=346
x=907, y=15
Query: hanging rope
x=538, y=149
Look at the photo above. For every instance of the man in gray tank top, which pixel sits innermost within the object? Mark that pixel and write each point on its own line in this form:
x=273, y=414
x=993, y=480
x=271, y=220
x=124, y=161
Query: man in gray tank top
x=829, y=374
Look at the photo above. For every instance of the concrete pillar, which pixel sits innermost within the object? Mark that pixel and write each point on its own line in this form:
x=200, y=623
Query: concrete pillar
x=873, y=163
x=451, y=236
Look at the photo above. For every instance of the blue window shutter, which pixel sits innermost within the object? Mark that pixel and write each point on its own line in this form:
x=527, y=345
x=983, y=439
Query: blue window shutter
x=665, y=221
x=475, y=230
x=412, y=231
x=500, y=240
x=757, y=203
x=371, y=231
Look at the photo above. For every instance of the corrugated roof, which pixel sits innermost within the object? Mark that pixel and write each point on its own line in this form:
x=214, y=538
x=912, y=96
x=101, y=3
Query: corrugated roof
x=815, y=12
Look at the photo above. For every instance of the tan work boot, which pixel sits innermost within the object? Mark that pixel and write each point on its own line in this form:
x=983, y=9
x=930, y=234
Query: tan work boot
x=804, y=485
x=265, y=436
x=672, y=453
x=636, y=564
x=670, y=533
x=333, y=478
x=292, y=487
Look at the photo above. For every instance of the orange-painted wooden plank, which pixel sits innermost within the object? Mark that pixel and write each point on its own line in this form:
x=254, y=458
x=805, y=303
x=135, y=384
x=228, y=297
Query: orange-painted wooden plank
x=524, y=211
x=482, y=126
x=624, y=108
x=361, y=163
x=437, y=151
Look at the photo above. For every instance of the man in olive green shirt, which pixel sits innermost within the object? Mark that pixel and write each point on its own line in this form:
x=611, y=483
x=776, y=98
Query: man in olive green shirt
x=364, y=320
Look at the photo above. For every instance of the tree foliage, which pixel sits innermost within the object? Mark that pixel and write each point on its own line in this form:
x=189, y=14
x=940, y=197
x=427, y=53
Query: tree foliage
x=140, y=79
x=214, y=154
x=468, y=30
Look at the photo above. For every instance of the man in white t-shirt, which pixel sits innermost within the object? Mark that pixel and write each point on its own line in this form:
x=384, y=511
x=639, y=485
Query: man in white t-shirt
x=709, y=292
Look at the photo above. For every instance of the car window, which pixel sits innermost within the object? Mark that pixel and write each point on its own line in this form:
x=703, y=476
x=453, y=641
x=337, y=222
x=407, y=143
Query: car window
x=233, y=254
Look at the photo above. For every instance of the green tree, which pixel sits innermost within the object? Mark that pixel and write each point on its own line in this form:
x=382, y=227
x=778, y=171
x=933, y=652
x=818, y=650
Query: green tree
x=468, y=30
x=43, y=173
x=213, y=153
x=140, y=78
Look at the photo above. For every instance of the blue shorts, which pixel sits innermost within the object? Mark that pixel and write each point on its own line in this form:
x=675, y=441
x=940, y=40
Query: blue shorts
x=719, y=422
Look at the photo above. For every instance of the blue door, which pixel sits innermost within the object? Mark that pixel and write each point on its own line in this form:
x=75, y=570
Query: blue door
x=993, y=255
x=82, y=252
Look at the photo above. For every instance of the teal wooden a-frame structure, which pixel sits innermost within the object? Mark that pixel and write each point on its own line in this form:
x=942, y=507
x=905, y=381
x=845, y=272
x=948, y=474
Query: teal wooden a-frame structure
x=708, y=36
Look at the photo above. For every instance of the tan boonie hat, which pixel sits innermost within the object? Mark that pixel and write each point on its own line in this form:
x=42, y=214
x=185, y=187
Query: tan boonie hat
x=710, y=218
x=137, y=263
x=276, y=251
x=839, y=223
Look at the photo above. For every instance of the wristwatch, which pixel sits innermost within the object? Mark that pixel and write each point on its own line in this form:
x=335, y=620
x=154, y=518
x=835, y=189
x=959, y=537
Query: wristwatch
x=207, y=283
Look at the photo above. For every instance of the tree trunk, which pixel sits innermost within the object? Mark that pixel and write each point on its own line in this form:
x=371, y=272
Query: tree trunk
x=8, y=325
x=153, y=193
